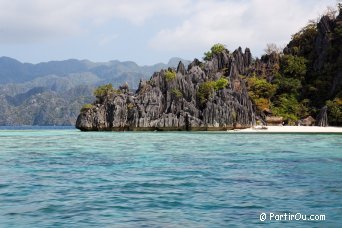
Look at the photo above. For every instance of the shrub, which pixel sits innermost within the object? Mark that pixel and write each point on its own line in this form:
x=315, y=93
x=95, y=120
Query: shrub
x=288, y=107
x=288, y=85
x=104, y=90
x=293, y=66
x=260, y=88
x=170, y=75
x=205, y=89
x=215, y=49
x=335, y=111
x=177, y=93
x=262, y=103
x=86, y=107
x=221, y=83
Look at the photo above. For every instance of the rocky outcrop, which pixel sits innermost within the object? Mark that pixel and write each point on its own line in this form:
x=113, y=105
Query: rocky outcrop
x=308, y=121
x=173, y=103
x=322, y=118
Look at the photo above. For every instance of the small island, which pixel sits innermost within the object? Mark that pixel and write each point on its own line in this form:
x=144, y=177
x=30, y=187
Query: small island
x=297, y=85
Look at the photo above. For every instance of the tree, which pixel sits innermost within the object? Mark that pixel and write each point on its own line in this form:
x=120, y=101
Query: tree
x=293, y=66
x=272, y=47
x=170, y=75
x=104, y=90
x=215, y=49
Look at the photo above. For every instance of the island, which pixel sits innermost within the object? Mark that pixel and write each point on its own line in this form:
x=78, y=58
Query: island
x=297, y=85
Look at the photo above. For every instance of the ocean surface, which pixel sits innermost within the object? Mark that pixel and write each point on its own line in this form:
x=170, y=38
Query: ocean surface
x=66, y=178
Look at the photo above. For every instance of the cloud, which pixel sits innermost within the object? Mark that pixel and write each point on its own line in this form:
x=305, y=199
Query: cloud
x=251, y=23
x=107, y=39
x=38, y=20
x=163, y=28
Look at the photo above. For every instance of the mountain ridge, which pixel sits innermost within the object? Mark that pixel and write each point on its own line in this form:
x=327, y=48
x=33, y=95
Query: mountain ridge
x=28, y=91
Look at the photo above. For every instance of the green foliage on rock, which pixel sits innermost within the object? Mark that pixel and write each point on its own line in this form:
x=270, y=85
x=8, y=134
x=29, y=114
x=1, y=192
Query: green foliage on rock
x=215, y=49
x=221, y=83
x=288, y=85
x=293, y=66
x=206, y=89
x=302, y=42
x=260, y=91
x=104, y=90
x=86, y=107
x=170, y=75
x=177, y=93
x=288, y=107
x=259, y=87
x=335, y=111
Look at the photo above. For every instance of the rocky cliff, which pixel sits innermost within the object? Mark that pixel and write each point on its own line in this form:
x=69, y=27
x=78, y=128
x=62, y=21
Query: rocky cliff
x=207, y=95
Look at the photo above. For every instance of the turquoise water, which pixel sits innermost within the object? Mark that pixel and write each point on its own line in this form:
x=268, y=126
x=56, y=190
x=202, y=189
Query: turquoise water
x=65, y=178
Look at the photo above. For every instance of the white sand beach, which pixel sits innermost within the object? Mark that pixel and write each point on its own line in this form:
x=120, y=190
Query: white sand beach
x=293, y=129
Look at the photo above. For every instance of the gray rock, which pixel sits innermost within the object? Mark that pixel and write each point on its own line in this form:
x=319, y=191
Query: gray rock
x=173, y=104
x=322, y=118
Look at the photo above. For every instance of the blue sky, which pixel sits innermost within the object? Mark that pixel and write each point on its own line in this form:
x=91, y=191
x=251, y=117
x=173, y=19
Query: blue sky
x=149, y=31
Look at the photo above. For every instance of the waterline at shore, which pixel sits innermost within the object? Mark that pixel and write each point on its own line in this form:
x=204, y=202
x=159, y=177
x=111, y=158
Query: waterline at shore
x=293, y=129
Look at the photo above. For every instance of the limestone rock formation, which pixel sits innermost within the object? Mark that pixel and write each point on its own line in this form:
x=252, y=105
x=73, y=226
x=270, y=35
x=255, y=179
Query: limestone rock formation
x=180, y=99
x=322, y=118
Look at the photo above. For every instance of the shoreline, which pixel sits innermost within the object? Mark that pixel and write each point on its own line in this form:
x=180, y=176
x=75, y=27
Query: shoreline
x=291, y=129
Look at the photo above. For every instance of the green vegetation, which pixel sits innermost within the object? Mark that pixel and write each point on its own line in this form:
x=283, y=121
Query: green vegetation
x=335, y=111
x=301, y=81
x=170, y=75
x=293, y=66
x=86, y=107
x=261, y=92
x=206, y=89
x=221, y=83
x=288, y=107
x=215, y=49
x=104, y=90
x=177, y=93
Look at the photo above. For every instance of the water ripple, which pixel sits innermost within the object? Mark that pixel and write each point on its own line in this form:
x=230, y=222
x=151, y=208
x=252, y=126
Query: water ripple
x=67, y=178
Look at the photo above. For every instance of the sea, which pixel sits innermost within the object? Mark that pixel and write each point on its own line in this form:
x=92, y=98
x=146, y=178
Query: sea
x=62, y=177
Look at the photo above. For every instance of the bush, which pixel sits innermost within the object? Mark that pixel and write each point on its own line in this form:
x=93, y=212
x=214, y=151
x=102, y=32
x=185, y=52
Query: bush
x=86, y=107
x=170, y=75
x=335, y=112
x=288, y=107
x=288, y=85
x=293, y=66
x=262, y=103
x=104, y=90
x=260, y=88
x=215, y=49
x=205, y=89
x=177, y=93
x=221, y=83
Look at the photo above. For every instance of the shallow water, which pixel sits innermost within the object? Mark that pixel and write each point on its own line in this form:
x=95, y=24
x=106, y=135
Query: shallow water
x=51, y=178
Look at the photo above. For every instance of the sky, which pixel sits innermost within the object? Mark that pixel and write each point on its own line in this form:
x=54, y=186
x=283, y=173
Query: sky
x=146, y=31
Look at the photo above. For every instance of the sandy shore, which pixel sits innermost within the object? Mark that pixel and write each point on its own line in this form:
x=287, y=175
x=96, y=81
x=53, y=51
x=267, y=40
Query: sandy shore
x=293, y=129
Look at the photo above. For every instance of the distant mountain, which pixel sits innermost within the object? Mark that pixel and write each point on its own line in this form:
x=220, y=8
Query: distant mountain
x=52, y=93
x=13, y=71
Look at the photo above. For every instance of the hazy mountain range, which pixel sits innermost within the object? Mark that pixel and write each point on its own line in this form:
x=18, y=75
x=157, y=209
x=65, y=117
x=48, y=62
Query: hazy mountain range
x=52, y=93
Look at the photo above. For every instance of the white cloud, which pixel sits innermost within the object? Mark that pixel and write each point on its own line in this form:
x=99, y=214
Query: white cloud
x=251, y=23
x=107, y=39
x=201, y=23
x=36, y=20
